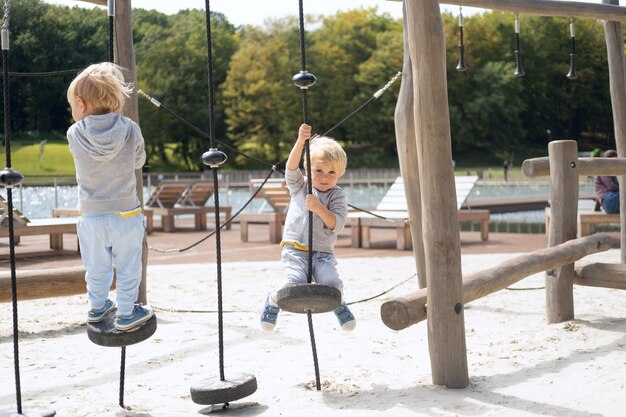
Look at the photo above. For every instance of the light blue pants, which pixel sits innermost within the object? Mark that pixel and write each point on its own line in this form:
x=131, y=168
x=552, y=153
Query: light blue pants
x=296, y=264
x=108, y=241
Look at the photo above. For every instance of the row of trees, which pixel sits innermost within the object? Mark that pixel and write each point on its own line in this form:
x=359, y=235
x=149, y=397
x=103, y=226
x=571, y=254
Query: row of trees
x=493, y=114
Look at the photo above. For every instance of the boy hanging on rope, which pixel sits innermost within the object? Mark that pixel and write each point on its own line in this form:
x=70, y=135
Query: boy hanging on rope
x=107, y=149
x=329, y=205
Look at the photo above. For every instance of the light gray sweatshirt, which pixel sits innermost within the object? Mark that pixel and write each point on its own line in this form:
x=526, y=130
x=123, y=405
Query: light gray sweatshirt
x=297, y=221
x=107, y=149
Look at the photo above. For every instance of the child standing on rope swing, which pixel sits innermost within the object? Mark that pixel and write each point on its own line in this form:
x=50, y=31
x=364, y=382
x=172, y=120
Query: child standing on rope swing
x=329, y=205
x=107, y=149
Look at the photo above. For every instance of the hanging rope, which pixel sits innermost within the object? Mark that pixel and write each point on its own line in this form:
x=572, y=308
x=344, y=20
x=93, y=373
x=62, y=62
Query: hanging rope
x=111, y=48
x=214, y=158
x=10, y=178
x=304, y=80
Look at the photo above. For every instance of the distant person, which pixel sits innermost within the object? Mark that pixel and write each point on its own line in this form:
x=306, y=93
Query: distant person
x=505, y=168
x=107, y=149
x=607, y=189
x=329, y=205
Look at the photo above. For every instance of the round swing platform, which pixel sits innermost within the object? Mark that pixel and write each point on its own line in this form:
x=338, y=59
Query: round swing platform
x=104, y=333
x=32, y=412
x=305, y=298
x=215, y=391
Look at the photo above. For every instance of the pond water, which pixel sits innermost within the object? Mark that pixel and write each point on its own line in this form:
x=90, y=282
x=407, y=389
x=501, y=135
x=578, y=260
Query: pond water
x=38, y=202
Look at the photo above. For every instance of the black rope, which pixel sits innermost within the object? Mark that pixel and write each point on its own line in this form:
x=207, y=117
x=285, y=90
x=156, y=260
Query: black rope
x=307, y=156
x=122, y=375
x=218, y=245
x=160, y=105
x=7, y=135
x=111, y=47
x=44, y=74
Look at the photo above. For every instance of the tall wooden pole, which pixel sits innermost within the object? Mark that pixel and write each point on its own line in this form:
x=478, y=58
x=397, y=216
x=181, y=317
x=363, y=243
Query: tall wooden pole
x=440, y=223
x=407, y=155
x=614, y=35
x=563, y=156
x=125, y=57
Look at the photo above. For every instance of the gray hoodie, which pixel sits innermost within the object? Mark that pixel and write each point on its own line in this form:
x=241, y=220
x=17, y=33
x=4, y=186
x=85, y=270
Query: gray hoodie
x=107, y=149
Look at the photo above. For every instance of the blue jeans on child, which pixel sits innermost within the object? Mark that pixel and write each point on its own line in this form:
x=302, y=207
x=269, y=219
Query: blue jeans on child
x=107, y=241
x=297, y=266
x=610, y=202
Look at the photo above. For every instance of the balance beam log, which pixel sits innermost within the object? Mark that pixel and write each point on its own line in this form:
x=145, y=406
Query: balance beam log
x=539, y=167
x=402, y=312
x=35, y=284
x=602, y=275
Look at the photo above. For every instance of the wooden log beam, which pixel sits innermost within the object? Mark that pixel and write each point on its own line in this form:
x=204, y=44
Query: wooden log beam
x=548, y=8
x=602, y=275
x=35, y=284
x=402, y=312
x=540, y=167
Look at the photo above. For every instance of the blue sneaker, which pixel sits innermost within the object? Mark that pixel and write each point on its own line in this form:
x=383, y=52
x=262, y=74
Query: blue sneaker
x=140, y=315
x=269, y=315
x=345, y=317
x=94, y=316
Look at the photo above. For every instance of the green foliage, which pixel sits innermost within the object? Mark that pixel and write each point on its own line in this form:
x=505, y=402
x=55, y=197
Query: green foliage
x=493, y=115
x=172, y=66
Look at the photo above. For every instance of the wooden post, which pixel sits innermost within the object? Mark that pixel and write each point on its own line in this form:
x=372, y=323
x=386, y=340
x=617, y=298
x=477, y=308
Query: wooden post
x=440, y=223
x=402, y=312
x=563, y=155
x=407, y=155
x=614, y=36
x=125, y=57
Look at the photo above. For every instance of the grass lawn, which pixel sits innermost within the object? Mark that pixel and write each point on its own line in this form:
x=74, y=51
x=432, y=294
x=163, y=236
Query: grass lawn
x=50, y=159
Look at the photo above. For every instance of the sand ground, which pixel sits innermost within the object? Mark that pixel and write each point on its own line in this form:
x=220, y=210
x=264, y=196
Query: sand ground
x=518, y=364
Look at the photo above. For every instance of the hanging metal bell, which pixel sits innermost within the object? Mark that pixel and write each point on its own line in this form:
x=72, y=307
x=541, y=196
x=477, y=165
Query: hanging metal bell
x=461, y=65
x=214, y=158
x=304, y=80
x=572, y=67
x=519, y=71
x=10, y=177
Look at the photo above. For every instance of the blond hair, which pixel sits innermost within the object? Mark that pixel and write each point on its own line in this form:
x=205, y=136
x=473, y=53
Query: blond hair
x=102, y=87
x=323, y=148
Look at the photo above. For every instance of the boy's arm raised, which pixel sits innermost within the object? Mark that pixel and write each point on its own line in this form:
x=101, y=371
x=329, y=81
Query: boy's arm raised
x=304, y=133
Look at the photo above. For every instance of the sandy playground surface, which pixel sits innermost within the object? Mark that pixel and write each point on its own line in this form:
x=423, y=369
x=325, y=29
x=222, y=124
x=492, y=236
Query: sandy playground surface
x=518, y=365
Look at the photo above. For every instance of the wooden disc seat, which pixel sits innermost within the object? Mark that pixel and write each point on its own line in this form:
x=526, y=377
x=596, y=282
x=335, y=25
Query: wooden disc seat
x=305, y=298
x=104, y=333
x=215, y=391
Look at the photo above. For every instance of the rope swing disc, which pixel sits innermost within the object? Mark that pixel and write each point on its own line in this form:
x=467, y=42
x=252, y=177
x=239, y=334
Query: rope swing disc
x=308, y=298
x=214, y=390
x=218, y=389
x=104, y=333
